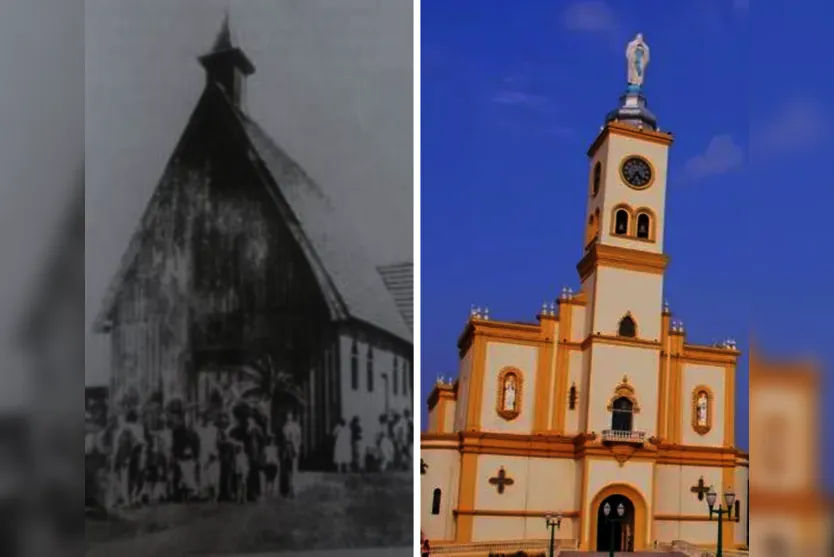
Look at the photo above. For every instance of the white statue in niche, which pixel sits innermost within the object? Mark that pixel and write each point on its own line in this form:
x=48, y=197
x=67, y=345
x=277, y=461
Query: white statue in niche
x=509, y=393
x=702, y=408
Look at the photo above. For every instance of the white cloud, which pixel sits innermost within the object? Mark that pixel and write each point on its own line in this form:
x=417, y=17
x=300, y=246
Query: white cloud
x=798, y=125
x=589, y=15
x=721, y=156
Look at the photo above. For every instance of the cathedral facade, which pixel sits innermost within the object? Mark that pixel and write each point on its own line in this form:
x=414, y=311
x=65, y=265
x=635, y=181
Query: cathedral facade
x=601, y=403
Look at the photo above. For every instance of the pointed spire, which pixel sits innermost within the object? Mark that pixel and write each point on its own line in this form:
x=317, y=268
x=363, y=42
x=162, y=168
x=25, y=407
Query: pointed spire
x=224, y=36
x=226, y=64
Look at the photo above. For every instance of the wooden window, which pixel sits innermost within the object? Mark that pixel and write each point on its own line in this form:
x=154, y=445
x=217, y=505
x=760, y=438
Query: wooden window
x=370, y=369
x=354, y=366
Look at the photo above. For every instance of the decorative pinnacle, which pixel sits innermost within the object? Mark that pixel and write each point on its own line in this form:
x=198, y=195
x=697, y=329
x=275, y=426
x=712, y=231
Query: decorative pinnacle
x=477, y=313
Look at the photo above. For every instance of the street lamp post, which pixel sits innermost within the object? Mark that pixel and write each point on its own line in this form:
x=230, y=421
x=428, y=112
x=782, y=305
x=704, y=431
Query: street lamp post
x=720, y=511
x=553, y=523
x=606, y=510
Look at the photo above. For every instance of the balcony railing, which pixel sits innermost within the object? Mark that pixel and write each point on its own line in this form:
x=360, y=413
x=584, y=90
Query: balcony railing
x=617, y=436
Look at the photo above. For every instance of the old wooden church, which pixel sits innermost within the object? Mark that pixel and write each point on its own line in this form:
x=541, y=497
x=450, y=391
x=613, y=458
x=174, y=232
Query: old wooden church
x=240, y=258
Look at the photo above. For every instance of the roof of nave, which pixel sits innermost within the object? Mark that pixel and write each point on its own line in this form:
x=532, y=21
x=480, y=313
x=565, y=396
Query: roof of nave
x=399, y=279
x=355, y=279
x=353, y=285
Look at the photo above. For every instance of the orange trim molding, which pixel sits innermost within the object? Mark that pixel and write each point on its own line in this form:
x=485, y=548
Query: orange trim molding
x=624, y=130
x=702, y=427
x=439, y=392
x=575, y=447
x=441, y=396
x=601, y=255
x=506, y=377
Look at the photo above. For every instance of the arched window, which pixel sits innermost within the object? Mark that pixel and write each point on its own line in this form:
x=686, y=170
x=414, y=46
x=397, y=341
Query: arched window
x=621, y=222
x=370, y=369
x=435, y=502
x=627, y=328
x=621, y=414
x=572, y=397
x=354, y=366
x=597, y=178
x=644, y=226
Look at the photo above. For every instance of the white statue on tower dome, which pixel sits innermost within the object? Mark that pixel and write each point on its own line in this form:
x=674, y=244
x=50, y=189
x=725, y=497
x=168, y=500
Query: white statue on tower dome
x=637, y=54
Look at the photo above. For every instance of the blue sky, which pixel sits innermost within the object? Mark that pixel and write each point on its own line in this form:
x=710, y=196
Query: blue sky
x=512, y=98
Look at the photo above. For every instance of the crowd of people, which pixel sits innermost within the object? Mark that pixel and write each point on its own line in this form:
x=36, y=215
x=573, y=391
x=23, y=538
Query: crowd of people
x=230, y=456
x=227, y=456
x=389, y=449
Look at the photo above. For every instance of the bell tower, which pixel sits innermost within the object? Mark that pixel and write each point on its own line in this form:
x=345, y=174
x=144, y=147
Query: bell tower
x=623, y=264
x=227, y=65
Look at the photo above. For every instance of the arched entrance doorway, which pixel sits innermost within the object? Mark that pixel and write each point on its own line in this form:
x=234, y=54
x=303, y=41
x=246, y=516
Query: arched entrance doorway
x=614, y=531
x=631, y=532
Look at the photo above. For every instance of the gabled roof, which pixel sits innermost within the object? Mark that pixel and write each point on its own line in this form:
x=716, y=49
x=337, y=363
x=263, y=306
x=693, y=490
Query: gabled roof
x=348, y=269
x=399, y=279
x=345, y=274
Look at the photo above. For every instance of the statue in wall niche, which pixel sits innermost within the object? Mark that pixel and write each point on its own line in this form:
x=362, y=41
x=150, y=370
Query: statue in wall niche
x=509, y=393
x=702, y=408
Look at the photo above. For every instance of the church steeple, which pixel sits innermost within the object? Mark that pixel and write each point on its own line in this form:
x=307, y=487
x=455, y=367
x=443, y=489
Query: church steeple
x=227, y=65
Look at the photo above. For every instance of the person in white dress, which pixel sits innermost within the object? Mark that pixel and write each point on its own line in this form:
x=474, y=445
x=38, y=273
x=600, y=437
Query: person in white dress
x=209, y=459
x=386, y=451
x=342, y=449
x=292, y=441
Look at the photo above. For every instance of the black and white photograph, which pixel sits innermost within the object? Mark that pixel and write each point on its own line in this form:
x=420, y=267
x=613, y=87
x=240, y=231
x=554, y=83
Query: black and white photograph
x=249, y=277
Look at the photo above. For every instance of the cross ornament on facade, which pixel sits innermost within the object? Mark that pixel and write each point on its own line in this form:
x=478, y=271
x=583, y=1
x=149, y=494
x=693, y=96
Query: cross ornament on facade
x=701, y=489
x=423, y=467
x=501, y=481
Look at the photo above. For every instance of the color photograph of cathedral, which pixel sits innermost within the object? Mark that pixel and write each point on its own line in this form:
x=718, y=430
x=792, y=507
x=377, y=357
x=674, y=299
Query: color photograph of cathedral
x=599, y=423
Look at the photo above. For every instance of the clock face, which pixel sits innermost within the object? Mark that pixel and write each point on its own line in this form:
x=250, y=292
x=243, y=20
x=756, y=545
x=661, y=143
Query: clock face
x=637, y=172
